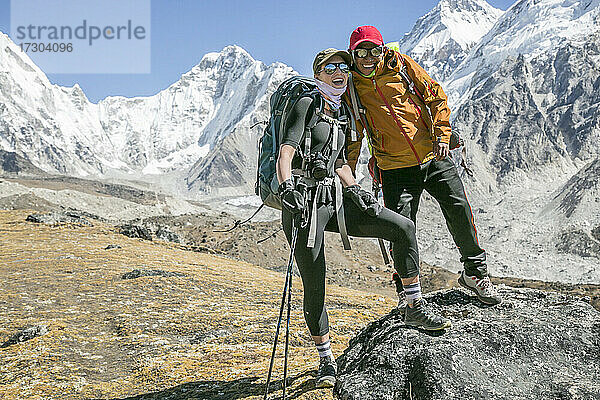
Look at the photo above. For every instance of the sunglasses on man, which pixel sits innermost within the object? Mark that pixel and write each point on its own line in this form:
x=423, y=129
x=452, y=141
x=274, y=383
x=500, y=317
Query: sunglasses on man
x=331, y=67
x=362, y=53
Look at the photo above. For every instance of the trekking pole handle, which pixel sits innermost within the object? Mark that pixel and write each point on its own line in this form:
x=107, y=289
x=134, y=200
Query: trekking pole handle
x=302, y=188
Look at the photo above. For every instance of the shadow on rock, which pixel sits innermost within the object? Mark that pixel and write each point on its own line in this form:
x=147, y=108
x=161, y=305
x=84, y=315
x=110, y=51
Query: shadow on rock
x=455, y=297
x=230, y=390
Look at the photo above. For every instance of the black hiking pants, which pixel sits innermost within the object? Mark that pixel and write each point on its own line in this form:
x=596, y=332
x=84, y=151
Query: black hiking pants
x=402, y=188
x=311, y=261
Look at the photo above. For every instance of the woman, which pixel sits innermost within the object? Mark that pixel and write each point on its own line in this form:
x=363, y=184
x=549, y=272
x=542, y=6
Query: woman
x=309, y=203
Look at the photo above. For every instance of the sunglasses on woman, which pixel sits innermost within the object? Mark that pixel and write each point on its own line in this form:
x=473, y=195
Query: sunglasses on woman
x=331, y=67
x=375, y=52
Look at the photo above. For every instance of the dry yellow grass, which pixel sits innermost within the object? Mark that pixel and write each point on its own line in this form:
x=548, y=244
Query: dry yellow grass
x=207, y=335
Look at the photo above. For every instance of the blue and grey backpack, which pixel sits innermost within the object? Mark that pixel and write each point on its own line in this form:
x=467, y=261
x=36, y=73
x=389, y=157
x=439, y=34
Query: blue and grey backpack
x=281, y=103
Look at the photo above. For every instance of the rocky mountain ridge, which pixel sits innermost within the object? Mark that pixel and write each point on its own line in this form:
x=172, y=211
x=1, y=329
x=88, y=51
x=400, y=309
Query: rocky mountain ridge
x=525, y=100
x=530, y=28
x=60, y=131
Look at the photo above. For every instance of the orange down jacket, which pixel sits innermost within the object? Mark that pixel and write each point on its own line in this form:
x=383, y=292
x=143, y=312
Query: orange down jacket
x=407, y=139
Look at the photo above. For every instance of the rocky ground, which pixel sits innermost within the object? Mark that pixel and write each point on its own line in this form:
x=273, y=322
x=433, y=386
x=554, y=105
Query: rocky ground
x=195, y=318
x=362, y=268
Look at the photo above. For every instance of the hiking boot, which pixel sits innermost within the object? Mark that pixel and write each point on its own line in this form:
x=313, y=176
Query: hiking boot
x=483, y=288
x=419, y=316
x=326, y=373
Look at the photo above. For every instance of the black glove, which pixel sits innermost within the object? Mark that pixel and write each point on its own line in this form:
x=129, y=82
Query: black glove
x=363, y=199
x=291, y=199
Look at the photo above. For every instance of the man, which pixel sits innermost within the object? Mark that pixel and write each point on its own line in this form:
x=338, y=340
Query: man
x=409, y=134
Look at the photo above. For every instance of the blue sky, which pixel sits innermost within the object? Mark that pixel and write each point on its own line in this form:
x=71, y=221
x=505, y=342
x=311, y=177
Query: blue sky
x=292, y=32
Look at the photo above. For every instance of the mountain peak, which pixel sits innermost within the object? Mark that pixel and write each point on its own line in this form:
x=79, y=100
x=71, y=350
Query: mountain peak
x=3, y=38
x=465, y=5
x=446, y=34
x=235, y=50
x=467, y=20
x=227, y=57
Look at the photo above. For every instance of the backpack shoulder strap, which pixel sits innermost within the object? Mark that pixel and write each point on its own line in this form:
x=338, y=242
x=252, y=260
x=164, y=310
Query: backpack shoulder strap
x=356, y=106
x=403, y=71
x=317, y=105
x=358, y=110
x=308, y=132
x=351, y=123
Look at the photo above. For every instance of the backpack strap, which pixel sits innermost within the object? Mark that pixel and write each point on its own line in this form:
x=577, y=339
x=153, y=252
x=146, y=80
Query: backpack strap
x=339, y=201
x=411, y=84
x=339, y=212
x=334, y=153
x=412, y=88
x=360, y=112
x=314, y=119
x=336, y=128
x=356, y=106
x=352, y=125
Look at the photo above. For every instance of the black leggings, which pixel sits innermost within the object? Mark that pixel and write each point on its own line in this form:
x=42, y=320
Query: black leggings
x=311, y=262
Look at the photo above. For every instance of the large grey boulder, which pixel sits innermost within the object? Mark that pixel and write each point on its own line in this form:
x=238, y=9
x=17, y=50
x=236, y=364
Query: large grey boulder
x=535, y=345
x=57, y=218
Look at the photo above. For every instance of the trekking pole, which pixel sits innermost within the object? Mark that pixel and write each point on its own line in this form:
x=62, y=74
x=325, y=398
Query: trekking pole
x=296, y=223
x=384, y=251
x=382, y=246
x=288, y=279
x=287, y=329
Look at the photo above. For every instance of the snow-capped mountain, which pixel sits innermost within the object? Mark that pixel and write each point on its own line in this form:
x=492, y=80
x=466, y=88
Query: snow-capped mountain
x=524, y=89
x=527, y=95
x=175, y=128
x=441, y=39
x=536, y=118
x=531, y=28
x=56, y=128
x=230, y=166
x=59, y=130
x=526, y=100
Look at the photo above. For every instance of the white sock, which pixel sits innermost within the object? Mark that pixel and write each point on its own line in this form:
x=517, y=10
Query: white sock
x=412, y=292
x=324, y=349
